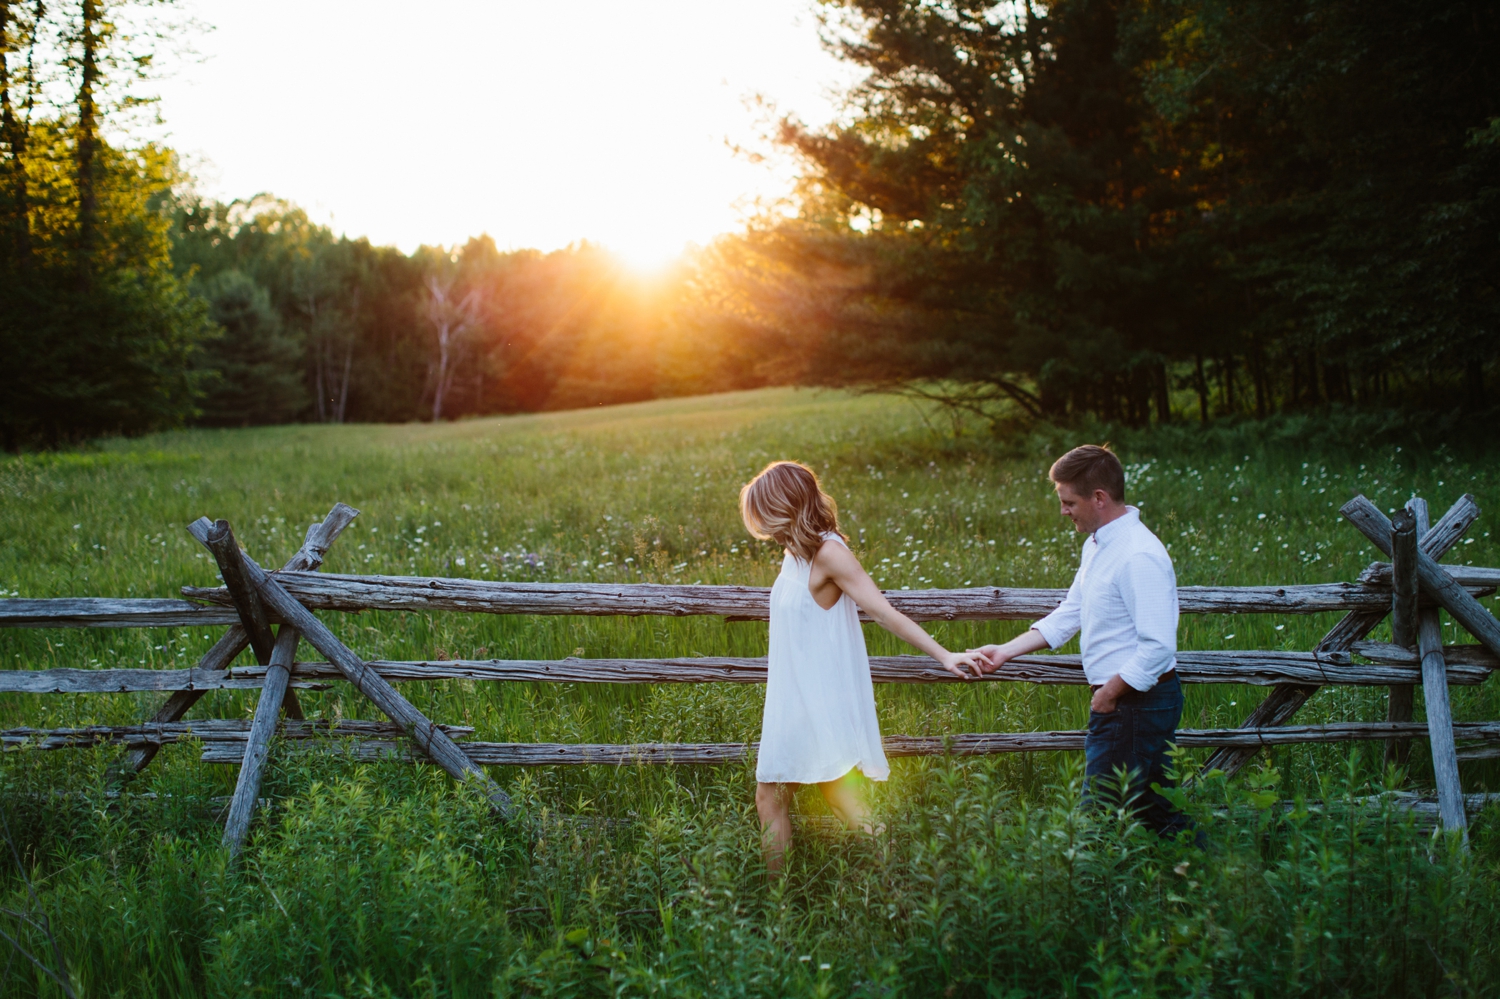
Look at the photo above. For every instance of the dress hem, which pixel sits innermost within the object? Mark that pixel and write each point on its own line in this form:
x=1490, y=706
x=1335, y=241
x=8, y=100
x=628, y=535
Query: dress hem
x=824, y=780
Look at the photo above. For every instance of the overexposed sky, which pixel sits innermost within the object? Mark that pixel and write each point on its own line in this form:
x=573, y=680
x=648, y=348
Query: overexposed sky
x=541, y=123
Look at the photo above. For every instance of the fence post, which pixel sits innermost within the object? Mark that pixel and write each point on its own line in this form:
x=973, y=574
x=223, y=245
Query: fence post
x=226, y=552
x=1404, y=534
x=1373, y=524
x=1435, y=691
x=1284, y=700
x=320, y=538
x=436, y=743
x=258, y=746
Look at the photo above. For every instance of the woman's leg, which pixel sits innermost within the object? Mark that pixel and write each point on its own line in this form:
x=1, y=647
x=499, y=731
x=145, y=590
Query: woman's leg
x=846, y=796
x=773, y=802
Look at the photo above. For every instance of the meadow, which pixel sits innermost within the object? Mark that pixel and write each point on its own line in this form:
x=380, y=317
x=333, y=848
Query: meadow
x=384, y=879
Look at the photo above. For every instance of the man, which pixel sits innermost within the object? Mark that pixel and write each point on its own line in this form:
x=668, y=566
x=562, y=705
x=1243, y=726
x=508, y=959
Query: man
x=1124, y=599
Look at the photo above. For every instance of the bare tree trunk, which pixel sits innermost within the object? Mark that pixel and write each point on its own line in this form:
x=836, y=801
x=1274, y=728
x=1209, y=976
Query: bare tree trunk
x=320, y=395
x=349, y=337
x=444, y=332
x=318, y=382
x=1258, y=377
x=88, y=139
x=1201, y=383
x=1163, y=393
x=450, y=321
x=13, y=132
x=344, y=383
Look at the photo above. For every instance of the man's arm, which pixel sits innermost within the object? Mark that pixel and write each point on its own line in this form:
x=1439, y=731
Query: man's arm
x=1050, y=632
x=995, y=656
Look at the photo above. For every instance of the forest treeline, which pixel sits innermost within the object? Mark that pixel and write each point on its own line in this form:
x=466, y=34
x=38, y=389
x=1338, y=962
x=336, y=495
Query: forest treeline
x=333, y=329
x=1144, y=211
x=1097, y=206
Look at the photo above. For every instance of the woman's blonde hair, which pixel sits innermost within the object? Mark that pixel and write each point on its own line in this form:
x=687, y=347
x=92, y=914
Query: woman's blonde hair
x=785, y=504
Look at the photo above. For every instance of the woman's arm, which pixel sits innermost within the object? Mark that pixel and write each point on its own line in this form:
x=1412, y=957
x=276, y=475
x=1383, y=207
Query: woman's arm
x=837, y=564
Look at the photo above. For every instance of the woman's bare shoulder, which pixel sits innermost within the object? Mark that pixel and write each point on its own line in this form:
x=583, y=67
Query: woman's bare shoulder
x=833, y=552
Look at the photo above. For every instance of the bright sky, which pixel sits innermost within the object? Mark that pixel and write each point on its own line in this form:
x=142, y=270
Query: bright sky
x=541, y=123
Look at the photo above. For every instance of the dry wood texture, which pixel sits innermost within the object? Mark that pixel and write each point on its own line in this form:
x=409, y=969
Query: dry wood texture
x=315, y=545
x=226, y=552
x=1258, y=668
x=1384, y=535
x=1440, y=732
x=742, y=603
x=1282, y=703
x=432, y=740
x=199, y=679
x=226, y=740
x=520, y=754
x=262, y=727
x=750, y=603
x=1404, y=610
x=1471, y=576
x=1404, y=588
x=222, y=730
x=1456, y=600
x=1394, y=655
x=110, y=612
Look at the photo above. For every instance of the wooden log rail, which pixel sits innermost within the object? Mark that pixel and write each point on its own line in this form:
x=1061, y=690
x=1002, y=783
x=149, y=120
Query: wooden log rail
x=327, y=591
x=1467, y=665
x=224, y=741
x=205, y=730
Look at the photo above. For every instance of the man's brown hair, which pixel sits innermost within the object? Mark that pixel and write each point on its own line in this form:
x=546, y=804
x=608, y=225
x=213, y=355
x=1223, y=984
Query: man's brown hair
x=1090, y=467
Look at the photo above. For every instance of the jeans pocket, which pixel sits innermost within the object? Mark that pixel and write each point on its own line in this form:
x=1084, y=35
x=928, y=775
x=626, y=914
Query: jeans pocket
x=1100, y=721
x=1154, y=729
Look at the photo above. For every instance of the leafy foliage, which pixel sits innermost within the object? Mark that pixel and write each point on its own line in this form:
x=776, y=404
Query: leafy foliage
x=98, y=333
x=1080, y=206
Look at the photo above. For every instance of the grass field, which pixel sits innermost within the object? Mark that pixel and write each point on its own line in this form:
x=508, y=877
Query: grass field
x=385, y=880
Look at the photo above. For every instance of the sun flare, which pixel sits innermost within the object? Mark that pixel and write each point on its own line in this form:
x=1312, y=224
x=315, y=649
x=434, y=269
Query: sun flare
x=647, y=256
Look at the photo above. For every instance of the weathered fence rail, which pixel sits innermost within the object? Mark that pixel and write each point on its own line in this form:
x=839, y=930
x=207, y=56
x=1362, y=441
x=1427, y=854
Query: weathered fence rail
x=1414, y=586
x=328, y=591
x=225, y=741
x=1467, y=665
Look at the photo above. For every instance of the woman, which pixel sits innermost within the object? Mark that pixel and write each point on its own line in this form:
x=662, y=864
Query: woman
x=819, y=723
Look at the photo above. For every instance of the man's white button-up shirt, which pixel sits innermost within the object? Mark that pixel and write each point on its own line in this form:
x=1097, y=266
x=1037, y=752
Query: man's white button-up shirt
x=1124, y=599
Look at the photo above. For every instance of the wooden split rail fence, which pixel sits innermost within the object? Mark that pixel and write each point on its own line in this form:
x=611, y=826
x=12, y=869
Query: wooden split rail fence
x=1411, y=588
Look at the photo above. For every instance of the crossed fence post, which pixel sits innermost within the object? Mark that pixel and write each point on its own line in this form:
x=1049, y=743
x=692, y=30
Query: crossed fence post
x=309, y=557
x=1414, y=567
x=252, y=590
x=1282, y=703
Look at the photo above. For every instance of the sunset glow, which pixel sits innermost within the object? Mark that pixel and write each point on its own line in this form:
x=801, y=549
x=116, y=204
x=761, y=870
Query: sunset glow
x=540, y=124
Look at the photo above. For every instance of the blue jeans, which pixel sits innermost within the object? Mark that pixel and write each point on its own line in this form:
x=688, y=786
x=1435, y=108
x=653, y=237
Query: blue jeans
x=1135, y=738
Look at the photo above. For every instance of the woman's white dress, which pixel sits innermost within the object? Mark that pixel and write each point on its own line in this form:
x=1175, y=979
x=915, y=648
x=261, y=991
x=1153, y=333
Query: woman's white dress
x=819, y=720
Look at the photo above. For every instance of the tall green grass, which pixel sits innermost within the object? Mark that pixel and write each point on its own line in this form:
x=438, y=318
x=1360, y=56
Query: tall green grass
x=384, y=879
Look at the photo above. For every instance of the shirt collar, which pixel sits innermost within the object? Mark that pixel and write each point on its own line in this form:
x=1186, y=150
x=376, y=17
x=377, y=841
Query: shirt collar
x=1117, y=527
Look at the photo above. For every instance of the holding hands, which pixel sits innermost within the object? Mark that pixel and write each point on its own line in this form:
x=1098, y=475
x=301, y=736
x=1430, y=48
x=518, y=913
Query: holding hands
x=957, y=662
x=992, y=657
x=989, y=658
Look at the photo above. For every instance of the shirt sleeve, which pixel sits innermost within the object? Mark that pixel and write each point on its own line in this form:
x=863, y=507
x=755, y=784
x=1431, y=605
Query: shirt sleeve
x=1062, y=624
x=1148, y=586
